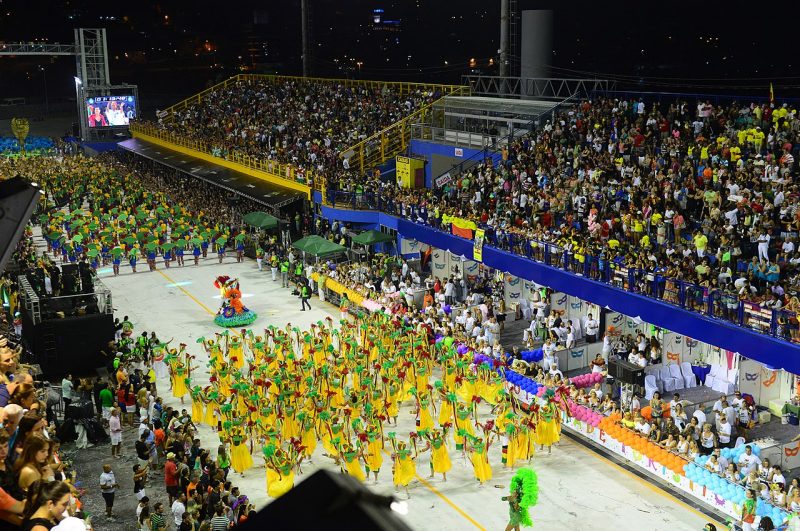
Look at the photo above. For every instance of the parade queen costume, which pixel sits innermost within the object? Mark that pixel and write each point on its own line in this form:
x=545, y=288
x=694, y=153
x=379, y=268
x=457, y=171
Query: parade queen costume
x=232, y=313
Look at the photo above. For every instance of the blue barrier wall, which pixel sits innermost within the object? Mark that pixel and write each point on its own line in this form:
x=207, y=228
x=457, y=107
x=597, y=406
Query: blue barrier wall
x=426, y=149
x=763, y=348
x=101, y=147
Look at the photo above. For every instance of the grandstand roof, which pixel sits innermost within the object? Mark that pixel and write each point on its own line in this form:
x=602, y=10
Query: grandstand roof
x=268, y=194
x=496, y=105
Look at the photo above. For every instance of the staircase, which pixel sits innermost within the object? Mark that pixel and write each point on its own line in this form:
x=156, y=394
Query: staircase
x=393, y=140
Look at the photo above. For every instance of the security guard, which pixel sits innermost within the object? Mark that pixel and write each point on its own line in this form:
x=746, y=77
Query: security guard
x=285, y=273
x=305, y=295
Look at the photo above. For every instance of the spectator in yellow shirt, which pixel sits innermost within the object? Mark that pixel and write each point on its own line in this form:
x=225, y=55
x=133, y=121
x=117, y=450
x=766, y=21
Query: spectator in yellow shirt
x=700, y=241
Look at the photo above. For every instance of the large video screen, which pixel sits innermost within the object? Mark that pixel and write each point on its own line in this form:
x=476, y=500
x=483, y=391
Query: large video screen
x=110, y=111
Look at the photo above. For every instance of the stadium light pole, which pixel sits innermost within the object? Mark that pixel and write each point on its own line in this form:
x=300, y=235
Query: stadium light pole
x=81, y=109
x=46, y=99
x=304, y=34
x=504, y=24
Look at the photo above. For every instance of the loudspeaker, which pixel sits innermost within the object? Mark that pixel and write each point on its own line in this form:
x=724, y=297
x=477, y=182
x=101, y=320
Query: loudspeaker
x=328, y=500
x=79, y=409
x=18, y=198
x=625, y=372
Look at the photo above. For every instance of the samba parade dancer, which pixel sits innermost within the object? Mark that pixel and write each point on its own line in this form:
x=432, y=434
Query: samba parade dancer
x=231, y=311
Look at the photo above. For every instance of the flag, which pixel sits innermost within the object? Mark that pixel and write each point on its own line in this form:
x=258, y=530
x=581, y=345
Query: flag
x=771, y=93
x=462, y=231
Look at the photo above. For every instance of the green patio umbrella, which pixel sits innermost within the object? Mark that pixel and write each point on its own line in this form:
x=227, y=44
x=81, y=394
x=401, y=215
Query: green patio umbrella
x=318, y=246
x=371, y=237
x=262, y=220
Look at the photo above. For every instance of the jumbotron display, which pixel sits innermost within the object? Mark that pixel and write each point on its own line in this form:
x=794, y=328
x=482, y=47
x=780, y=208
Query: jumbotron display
x=110, y=111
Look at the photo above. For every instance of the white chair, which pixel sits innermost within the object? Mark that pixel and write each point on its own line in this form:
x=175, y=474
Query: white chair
x=712, y=375
x=650, y=386
x=652, y=370
x=667, y=380
x=675, y=372
x=689, y=379
x=526, y=309
x=721, y=385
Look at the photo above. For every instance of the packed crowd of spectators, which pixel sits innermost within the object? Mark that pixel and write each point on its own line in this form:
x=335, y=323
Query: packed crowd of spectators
x=702, y=197
x=195, y=482
x=307, y=124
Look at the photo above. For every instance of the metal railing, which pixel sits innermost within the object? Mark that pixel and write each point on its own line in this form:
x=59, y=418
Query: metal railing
x=402, y=88
x=287, y=172
x=716, y=303
x=376, y=149
x=495, y=142
x=394, y=139
x=453, y=137
x=539, y=88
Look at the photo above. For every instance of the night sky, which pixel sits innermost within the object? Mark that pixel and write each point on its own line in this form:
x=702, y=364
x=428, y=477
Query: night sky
x=172, y=48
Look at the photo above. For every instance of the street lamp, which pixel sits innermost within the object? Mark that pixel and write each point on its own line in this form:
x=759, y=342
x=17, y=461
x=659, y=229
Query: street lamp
x=82, y=118
x=46, y=100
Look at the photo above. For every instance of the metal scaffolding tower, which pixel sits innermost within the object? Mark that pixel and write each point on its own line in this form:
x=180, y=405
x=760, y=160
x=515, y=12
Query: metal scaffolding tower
x=91, y=65
x=92, y=57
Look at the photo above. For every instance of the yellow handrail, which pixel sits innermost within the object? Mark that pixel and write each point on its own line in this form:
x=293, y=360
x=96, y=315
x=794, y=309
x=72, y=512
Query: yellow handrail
x=393, y=139
x=287, y=172
x=382, y=145
x=400, y=86
x=196, y=98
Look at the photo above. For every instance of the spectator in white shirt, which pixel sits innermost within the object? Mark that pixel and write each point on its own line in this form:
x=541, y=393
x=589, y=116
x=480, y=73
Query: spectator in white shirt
x=729, y=412
x=592, y=327
x=570, y=341
x=598, y=391
x=635, y=404
x=449, y=292
x=178, y=508
x=548, y=348
x=700, y=416
x=676, y=398
x=724, y=431
x=642, y=426
x=66, y=390
x=108, y=486
x=777, y=475
x=748, y=461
